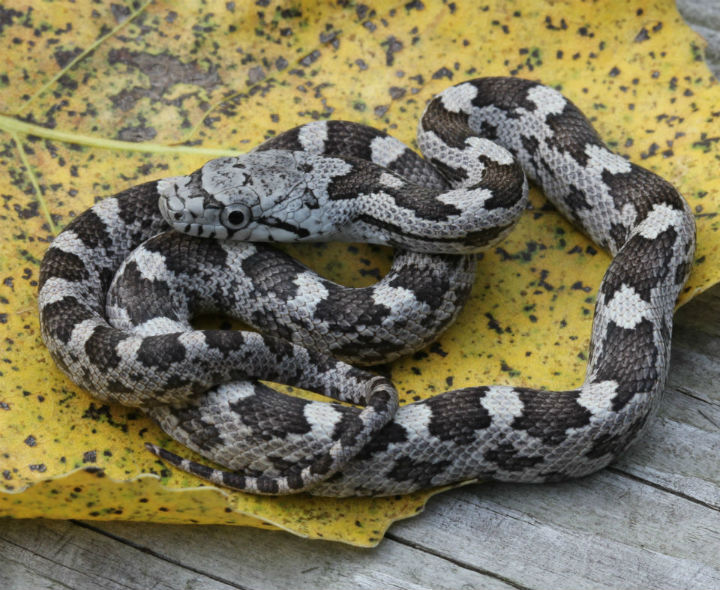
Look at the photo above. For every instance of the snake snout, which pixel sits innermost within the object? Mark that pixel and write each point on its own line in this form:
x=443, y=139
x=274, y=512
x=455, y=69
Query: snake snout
x=172, y=205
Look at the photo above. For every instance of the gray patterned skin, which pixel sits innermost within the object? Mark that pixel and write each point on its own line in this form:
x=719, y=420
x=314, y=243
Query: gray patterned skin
x=502, y=433
x=402, y=313
x=166, y=370
x=295, y=196
x=172, y=278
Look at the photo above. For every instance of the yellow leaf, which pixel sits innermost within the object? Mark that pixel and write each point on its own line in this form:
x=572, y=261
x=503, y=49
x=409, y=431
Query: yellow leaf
x=81, y=83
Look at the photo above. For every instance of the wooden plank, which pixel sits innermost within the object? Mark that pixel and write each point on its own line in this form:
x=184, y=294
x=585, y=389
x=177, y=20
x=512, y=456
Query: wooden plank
x=604, y=531
x=685, y=466
x=700, y=12
x=61, y=554
x=277, y=560
x=704, y=17
x=696, y=317
x=695, y=363
x=680, y=449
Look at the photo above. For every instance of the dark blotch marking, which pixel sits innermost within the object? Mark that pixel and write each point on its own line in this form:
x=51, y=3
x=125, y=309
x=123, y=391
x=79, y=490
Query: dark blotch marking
x=452, y=128
x=380, y=442
x=381, y=393
x=576, y=200
x=294, y=481
x=642, y=189
x=417, y=170
x=142, y=298
x=161, y=351
x=349, y=427
x=267, y=485
x=60, y=317
x=548, y=415
x=101, y=347
x=117, y=387
x=201, y=470
x=62, y=265
x=530, y=143
x=176, y=382
x=91, y=230
x=204, y=434
x=271, y=414
x=507, y=94
x=266, y=322
x=347, y=139
x=505, y=181
x=629, y=358
x=350, y=307
x=613, y=445
x=458, y=417
x=140, y=203
x=618, y=234
x=280, y=348
x=508, y=458
x=572, y=133
x=454, y=175
x=322, y=465
x=682, y=270
x=138, y=210
x=289, y=140
x=483, y=237
x=364, y=178
x=184, y=255
x=234, y=480
x=224, y=341
x=656, y=254
x=420, y=472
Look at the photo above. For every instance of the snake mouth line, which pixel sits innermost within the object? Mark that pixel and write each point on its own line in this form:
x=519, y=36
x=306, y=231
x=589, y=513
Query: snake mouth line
x=300, y=232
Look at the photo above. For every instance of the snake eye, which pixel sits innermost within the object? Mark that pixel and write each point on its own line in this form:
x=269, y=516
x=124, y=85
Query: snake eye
x=235, y=216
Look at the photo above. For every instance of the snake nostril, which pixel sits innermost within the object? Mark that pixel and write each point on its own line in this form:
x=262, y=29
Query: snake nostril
x=174, y=203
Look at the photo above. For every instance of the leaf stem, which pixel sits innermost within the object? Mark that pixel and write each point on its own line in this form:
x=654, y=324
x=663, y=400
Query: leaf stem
x=36, y=185
x=15, y=126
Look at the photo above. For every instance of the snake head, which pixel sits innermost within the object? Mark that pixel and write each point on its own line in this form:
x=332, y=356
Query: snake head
x=260, y=196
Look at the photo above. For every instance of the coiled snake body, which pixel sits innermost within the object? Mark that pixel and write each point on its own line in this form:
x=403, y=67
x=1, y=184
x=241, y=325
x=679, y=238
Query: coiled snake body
x=339, y=180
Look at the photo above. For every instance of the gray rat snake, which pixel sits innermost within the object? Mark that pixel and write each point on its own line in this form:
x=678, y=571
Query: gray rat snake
x=118, y=289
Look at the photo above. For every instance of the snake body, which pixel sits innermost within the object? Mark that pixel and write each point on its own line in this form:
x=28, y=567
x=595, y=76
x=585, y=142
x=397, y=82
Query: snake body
x=338, y=180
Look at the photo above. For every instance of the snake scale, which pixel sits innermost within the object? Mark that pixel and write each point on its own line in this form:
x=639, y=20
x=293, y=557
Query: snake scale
x=119, y=286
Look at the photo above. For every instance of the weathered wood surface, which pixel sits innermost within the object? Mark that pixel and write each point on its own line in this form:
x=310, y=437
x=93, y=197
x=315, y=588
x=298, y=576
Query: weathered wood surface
x=704, y=17
x=650, y=521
